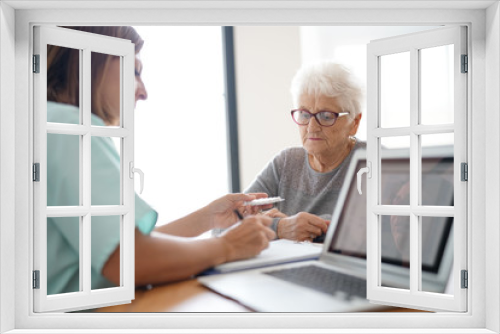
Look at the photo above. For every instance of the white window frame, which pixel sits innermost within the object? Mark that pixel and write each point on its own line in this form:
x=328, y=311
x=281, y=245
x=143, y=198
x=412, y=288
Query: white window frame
x=483, y=21
x=413, y=44
x=85, y=43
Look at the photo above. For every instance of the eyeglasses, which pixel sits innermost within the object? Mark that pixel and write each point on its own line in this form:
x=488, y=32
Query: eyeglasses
x=324, y=118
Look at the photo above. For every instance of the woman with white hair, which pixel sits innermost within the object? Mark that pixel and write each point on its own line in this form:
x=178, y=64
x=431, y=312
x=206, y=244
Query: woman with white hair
x=327, y=110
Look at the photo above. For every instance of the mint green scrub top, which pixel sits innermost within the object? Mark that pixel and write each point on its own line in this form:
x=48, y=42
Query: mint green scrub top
x=63, y=189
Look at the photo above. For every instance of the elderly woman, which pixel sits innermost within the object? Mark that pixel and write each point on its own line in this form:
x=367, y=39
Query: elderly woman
x=327, y=112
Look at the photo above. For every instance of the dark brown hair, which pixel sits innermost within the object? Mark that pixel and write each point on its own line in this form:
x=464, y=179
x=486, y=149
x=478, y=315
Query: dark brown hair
x=63, y=70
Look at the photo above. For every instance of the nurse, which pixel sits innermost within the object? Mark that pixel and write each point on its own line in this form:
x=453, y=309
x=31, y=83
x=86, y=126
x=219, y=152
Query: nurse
x=162, y=254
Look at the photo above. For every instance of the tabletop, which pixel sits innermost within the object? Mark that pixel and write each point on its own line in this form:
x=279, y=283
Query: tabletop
x=186, y=296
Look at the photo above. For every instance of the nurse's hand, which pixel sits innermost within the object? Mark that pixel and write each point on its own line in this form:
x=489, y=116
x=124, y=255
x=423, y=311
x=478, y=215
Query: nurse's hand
x=302, y=227
x=221, y=212
x=248, y=238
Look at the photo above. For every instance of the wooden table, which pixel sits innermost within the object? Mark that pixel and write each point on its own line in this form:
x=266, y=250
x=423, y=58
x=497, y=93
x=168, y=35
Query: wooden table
x=186, y=296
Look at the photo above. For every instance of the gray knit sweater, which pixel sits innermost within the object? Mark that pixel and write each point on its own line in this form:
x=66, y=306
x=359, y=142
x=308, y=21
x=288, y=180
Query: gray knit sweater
x=290, y=176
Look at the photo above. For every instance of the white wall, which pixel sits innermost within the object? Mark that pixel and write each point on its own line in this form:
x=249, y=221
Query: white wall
x=266, y=59
x=7, y=159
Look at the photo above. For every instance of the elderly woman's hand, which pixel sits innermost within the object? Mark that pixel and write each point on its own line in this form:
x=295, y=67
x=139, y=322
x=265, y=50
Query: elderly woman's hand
x=302, y=227
x=275, y=213
x=248, y=238
x=221, y=211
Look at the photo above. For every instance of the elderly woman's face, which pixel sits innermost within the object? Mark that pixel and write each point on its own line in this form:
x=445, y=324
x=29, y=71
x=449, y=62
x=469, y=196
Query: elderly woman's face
x=325, y=140
x=111, y=86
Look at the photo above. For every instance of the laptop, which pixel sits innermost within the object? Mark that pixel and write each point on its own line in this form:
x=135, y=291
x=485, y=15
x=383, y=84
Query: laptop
x=336, y=282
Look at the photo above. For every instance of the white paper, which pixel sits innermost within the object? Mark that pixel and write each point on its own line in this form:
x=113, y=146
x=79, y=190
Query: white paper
x=279, y=251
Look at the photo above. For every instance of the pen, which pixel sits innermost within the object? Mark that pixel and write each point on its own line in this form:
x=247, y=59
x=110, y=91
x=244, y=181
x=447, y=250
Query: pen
x=240, y=217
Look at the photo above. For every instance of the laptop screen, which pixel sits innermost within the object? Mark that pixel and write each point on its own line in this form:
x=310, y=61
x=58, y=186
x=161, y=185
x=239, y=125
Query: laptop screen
x=437, y=189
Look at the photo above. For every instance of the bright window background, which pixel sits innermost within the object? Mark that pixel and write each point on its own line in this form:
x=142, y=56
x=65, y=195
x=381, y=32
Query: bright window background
x=180, y=130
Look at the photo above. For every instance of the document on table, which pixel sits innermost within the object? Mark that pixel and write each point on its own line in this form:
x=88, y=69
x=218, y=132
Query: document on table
x=278, y=252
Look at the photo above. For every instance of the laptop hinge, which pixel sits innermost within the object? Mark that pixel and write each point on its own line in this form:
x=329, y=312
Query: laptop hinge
x=464, y=171
x=464, y=279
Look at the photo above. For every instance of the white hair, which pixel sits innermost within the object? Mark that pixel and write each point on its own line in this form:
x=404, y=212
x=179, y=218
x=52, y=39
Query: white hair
x=328, y=79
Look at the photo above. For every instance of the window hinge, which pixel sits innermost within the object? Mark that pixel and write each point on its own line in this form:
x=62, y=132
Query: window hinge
x=36, y=279
x=36, y=63
x=36, y=172
x=464, y=279
x=464, y=171
x=465, y=64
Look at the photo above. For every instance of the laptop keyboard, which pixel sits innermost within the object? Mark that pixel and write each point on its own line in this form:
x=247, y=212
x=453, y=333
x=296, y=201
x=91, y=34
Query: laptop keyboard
x=323, y=280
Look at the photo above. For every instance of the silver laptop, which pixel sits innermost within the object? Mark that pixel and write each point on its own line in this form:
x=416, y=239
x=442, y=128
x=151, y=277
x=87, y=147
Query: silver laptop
x=337, y=281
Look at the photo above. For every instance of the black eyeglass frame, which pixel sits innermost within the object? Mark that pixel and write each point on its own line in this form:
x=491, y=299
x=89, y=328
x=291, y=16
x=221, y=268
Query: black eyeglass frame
x=336, y=115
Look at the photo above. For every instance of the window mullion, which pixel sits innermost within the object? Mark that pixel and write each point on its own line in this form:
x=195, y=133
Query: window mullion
x=85, y=237
x=81, y=182
x=422, y=211
x=418, y=129
x=402, y=210
x=372, y=189
x=127, y=185
x=414, y=171
x=86, y=257
x=80, y=130
x=122, y=175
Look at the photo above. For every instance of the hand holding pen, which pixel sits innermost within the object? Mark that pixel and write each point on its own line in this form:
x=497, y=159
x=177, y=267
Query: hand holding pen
x=238, y=214
x=257, y=206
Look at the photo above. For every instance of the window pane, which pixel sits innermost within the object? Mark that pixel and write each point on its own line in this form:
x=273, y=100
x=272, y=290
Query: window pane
x=106, y=96
x=63, y=255
x=436, y=85
x=437, y=169
x=437, y=251
x=395, y=251
x=106, y=175
x=63, y=77
x=395, y=172
x=395, y=90
x=106, y=237
x=63, y=170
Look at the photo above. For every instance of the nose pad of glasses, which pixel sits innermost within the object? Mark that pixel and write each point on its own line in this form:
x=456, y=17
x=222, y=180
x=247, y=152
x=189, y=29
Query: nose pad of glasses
x=313, y=122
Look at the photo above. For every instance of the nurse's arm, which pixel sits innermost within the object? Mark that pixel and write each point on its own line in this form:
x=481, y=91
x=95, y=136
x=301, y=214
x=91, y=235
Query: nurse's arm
x=161, y=258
